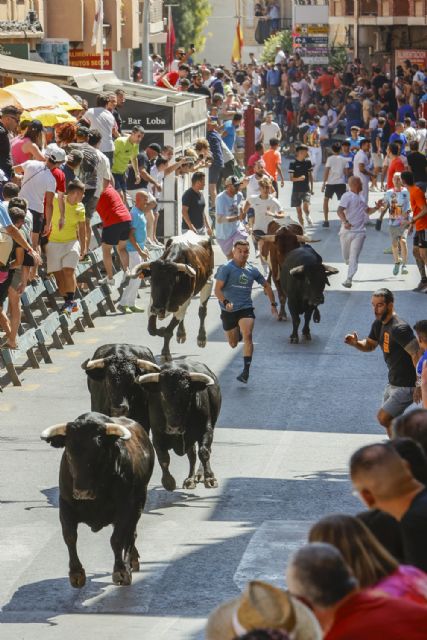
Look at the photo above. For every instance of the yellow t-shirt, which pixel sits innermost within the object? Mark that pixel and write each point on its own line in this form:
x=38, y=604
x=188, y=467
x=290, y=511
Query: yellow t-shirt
x=74, y=214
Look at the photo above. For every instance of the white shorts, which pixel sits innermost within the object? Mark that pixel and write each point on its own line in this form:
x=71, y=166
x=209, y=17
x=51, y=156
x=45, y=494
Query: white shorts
x=62, y=255
x=378, y=160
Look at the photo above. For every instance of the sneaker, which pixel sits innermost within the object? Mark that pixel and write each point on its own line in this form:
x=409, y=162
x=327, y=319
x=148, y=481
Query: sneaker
x=404, y=270
x=309, y=221
x=396, y=269
x=421, y=286
x=125, y=278
x=69, y=307
x=244, y=377
x=107, y=280
x=74, y=306
x=325, y=224
x=124, y=309
x=388, y=251
x=136, y=309
x=347, y=284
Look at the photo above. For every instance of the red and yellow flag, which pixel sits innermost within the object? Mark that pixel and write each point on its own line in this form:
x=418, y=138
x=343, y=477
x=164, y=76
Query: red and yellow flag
x=236, y=54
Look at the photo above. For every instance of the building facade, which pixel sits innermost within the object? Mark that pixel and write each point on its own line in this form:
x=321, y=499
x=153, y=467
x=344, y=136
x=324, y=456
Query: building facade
x=375, y=29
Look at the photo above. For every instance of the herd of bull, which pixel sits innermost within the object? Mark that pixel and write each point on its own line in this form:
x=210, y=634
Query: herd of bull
x=108, y=456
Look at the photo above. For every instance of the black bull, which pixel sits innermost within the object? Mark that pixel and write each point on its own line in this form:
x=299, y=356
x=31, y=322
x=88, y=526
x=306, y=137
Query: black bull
x=303, y=278
x=105, y=469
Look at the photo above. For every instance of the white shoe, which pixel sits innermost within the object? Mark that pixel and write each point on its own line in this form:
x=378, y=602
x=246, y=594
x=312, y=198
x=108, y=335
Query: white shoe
x=347, y=284
x=107, y=280
x=309, y=221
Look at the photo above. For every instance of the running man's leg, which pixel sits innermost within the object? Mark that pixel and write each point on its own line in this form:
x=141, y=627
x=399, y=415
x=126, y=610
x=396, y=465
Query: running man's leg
x=246, y=327
x=356, y=246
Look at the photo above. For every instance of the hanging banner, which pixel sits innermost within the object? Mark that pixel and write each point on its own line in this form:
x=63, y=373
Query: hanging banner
x=415, y=56
x=79, y=58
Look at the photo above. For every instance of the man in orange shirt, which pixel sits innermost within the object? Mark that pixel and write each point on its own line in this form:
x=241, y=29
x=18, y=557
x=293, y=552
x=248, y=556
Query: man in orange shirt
x=273, y=163
x=396, y=164
x=326, y=83
x=419, y=212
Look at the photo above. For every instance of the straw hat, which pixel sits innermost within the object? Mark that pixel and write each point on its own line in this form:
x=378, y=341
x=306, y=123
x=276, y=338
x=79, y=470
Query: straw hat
x=262, y=606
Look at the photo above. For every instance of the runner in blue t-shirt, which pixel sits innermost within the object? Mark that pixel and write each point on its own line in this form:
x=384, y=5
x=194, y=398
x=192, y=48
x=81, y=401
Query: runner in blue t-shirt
x=233, y=288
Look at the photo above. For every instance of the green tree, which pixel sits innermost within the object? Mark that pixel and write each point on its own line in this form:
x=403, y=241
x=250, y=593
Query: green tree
x=190, y=18
x=338, y=58
x=282, y=38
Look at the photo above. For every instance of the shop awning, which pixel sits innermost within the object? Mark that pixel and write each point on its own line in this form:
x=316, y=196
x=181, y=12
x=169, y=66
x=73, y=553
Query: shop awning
x=84, y=78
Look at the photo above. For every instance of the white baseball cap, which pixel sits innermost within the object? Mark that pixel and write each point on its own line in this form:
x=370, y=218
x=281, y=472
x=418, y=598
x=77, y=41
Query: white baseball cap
x=55, y=153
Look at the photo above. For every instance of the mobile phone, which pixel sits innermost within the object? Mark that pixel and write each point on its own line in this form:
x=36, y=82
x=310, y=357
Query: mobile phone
x=192, y=47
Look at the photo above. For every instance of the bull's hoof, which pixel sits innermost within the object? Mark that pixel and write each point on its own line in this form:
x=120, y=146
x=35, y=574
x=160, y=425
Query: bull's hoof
x=165, y=357
x=189, y=483
x=122, y=578
x=294, y=340
x=307, y=335
x=201, y=342
x=211, y=483
x=77, y=578
x=181, y=338
x=169, y=483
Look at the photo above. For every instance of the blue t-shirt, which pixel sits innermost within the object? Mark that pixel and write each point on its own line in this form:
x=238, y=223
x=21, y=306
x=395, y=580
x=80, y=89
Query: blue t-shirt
x=230, y=131
x=227, y=206
x=5, y=220
x=405, y=111
x=401, y=138
x=139, y=224
x=354, y=143
x=238, y=283
x=420, y=363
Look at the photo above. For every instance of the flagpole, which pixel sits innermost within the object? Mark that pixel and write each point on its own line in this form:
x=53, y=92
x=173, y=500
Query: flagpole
x=101, y=36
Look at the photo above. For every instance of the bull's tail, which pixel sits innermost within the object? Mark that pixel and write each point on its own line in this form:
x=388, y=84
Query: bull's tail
x=316, y=315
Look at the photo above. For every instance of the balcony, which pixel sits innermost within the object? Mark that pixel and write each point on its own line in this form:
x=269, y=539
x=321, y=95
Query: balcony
x=380, y=11
x=264, y=28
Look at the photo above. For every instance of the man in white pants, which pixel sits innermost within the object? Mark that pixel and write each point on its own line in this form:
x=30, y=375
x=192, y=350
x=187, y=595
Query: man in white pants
x=353, y=213
x=135, y=247
x=361, y=167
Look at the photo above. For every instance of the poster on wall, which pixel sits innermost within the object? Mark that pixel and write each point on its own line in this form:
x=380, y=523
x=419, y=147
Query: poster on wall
x=79, y=58
x=310, y=41
x=54, y=51
x=416, y=56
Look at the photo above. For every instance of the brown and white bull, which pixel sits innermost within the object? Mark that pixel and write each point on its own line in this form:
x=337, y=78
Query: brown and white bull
x=184, y=271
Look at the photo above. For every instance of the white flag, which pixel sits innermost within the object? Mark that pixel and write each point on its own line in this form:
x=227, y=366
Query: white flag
x=98, y=24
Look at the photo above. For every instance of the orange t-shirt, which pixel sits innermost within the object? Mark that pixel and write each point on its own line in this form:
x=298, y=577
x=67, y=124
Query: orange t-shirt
x=418, y=203
x=396, y=166
x=272, y=158
x=326, y=83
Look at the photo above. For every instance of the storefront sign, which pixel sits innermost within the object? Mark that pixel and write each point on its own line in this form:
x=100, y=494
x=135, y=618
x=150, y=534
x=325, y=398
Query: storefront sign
x=79, y=58
x=15, y=50
x=416, y=56
x=310, y=41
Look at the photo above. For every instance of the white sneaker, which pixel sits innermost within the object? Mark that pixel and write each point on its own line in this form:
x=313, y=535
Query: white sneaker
x=107, y=280
x=347, y=284
x=309, y=221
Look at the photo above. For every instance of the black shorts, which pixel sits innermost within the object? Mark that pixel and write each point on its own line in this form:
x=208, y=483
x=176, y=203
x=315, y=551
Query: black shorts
x=38, y=221
x=214, y=173
x=116, y=232
x=420, y=239
x=298, y=197
x=337, y=190
x=4, y=287
x=230, y=319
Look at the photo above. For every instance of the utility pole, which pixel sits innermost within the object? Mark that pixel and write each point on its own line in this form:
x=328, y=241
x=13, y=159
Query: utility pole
x=356, y=29
x=145, y=44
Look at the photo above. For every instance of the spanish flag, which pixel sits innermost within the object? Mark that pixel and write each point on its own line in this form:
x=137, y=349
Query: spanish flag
x=236, y=54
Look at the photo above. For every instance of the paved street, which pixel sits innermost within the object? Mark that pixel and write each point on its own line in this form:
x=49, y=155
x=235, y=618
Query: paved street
x=280, y=454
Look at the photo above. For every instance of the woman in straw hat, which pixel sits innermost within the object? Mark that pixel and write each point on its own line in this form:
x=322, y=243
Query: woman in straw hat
x=262, y=606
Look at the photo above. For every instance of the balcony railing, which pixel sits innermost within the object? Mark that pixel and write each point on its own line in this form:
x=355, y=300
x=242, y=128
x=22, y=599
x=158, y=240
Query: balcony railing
x=264, y=27
x=377, y=8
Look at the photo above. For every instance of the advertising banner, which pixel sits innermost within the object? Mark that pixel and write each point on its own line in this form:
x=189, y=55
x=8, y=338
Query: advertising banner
x=15, y=50
x=416, y=56
x=310, y=41
x=79, y=58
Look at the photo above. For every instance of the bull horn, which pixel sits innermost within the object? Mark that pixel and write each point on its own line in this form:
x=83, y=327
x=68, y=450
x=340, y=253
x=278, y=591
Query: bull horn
x=331, y=270
x=139, y=268
x=296, y=270
x=270, y=238
x=148, y=377
x=306, y=239
x=95, y=364
x=113, y=429
x=146, y=364
x=185, y=268
x=202, y=377
x=55, y=430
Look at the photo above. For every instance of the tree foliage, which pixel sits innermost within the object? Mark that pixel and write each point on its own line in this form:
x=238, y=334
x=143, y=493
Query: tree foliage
x=190, y=18
x=338, y=57
x=282, y=38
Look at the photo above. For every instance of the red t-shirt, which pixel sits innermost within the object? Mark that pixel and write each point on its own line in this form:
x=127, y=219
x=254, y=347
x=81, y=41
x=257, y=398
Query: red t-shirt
x=59, y=176
x=251, y=162
x=418, y=203
x=368, y=617
x=396, y=166
x=172, y=77
x=111, y=208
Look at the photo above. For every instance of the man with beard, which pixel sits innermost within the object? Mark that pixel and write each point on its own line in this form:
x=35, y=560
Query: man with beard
x=401, y=354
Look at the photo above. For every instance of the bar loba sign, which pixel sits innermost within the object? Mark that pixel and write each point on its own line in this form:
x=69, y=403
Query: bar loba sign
x=152, y=117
